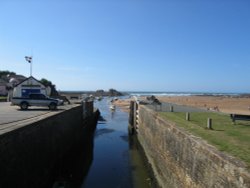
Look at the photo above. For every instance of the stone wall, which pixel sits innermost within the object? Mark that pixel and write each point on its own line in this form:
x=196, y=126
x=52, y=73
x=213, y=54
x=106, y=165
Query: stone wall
x=181, y=160
x=31, y=154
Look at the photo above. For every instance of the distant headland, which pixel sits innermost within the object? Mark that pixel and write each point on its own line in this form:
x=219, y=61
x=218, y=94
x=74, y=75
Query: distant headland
x=97, y=93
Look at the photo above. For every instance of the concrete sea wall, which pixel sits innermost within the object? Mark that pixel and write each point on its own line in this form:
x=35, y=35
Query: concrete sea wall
x=181, y=160
x=29, y=156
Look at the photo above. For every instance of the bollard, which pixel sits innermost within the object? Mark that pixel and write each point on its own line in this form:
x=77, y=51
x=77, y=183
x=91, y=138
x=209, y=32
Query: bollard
x=171, y=108
x=188, y=116
x=209, y=123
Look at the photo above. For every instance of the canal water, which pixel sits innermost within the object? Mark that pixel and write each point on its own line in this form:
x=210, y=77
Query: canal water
x=117, y=160
x=107, y=158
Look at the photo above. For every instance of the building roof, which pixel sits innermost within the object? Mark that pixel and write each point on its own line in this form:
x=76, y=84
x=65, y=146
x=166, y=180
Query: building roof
x=28, y=79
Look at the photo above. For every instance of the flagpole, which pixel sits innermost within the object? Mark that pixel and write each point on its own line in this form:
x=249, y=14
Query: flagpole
x=31, y=66
x=31, y=61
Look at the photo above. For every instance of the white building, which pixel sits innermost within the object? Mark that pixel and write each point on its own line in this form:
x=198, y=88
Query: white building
x=30, y=85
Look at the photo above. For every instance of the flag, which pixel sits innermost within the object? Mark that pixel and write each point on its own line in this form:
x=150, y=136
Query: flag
x=28, y=58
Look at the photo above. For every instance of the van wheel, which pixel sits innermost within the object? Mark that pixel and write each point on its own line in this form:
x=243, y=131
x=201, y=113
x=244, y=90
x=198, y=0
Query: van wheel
x=52, y=106
x=24, y=105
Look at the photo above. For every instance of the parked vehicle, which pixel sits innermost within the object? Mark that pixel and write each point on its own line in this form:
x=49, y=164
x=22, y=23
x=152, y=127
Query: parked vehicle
x=36, y=99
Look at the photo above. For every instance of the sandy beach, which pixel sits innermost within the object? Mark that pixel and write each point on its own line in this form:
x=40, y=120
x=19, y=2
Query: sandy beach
x=226, y=104
x=123, y=104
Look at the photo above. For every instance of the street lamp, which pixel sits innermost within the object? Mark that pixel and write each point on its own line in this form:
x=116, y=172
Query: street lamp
x=29, y=59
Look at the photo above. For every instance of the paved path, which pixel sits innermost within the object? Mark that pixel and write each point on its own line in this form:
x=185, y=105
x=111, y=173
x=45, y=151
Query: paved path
x=11, y=117
x=9, y=114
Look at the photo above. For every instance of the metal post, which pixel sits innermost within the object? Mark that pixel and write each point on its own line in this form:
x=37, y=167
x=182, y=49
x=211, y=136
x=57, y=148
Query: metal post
x=29, y=59
x=31, y=67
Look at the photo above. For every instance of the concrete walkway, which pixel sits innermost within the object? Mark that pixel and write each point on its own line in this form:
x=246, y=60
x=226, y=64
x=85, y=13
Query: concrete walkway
x=11, y=117
x=10, y=114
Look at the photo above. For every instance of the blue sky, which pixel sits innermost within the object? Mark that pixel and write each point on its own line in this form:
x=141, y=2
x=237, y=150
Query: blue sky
x=135, y=45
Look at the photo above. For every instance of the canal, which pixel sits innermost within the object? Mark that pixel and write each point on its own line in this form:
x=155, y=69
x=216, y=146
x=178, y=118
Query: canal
x=117, y=157
x=107, y=157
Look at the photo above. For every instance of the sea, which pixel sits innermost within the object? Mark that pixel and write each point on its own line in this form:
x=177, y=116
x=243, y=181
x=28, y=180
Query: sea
x=150, y=93
x=167, y=93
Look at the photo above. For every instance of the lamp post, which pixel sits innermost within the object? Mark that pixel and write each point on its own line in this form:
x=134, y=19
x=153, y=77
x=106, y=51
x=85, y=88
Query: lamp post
x=29, y=59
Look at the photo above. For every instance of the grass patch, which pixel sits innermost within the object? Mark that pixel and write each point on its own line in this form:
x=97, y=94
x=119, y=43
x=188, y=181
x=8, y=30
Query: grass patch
x=3, y=98
x=225, y=136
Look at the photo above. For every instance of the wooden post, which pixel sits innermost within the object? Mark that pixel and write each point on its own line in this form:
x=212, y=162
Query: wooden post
x=171, y=108
x=209, y=123
x=188, y=116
